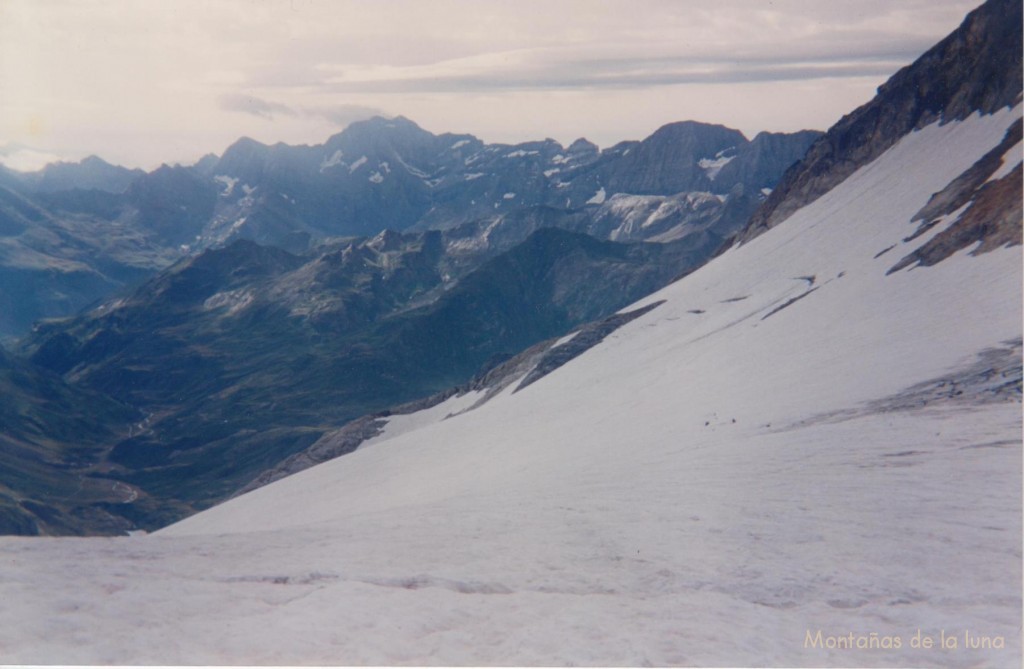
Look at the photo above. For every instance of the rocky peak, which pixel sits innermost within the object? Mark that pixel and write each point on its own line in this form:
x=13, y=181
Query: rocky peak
x=244, y=159
x=583, y=148
x=383, y=136
x=759, y=163
x=386, y=240
x=668, y=161
x=700, y=139
x=206, y=164
x=91, y=173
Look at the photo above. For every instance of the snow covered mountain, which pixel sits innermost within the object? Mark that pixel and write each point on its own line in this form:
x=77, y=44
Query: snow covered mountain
x=805, y=453
x=391, y=173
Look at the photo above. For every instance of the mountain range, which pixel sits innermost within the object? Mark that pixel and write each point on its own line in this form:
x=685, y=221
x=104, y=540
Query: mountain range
x=259, y=317
x=74, y=234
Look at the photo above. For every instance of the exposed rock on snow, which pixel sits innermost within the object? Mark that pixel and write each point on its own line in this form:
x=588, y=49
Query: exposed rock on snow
x=328, y=447
x=588, y=337
x=992, y=213
x=994, y=377
x=969, y=70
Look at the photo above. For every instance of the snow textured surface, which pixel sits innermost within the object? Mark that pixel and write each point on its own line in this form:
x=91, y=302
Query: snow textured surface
x=598, y=197
x=687, y=492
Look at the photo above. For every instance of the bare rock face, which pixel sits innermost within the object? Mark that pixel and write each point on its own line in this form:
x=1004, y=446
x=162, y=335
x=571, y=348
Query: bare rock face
x=760, y=163
x=669, y=160
x=993, y=215
x=976, y=68
x=993, y=378
x=331, y=445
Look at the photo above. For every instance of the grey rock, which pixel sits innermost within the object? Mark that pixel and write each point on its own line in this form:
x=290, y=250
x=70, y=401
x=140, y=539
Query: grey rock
x=976, y=68
x=992, y=219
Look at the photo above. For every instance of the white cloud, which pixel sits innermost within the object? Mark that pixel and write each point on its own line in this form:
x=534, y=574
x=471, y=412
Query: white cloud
x=26, y=159
x=338, y=114
x=248, y=104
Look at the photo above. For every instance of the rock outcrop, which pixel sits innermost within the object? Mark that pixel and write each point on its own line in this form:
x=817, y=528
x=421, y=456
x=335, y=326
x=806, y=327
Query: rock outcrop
x=976, y=68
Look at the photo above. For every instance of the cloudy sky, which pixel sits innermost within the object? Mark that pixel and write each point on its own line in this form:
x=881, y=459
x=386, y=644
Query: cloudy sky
x=142, y=82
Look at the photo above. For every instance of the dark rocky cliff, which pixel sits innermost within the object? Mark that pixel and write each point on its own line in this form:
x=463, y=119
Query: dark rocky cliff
x=976, y=68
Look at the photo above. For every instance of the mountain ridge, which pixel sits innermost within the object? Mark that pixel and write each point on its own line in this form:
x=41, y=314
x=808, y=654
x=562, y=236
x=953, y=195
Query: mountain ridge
x=377, y=174
x=976, y=68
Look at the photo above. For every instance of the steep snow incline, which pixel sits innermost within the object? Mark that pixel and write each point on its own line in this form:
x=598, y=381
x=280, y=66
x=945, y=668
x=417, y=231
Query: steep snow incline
x=715, y=483
x=802, y=322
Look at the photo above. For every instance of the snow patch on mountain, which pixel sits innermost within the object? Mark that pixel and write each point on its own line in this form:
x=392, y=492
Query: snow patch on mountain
x=655, y=217
x=335, y=159
x=399, y=424
x=416, y=172
x=227, y=182
x=712, y=166
x=598, y=197
x=564, y=340
x=231, y=301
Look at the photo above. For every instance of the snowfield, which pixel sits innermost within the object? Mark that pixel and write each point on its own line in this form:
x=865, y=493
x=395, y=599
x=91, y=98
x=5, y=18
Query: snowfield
x=718, y=481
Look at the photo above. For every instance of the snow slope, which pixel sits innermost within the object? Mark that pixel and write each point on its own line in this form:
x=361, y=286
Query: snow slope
x=715, y=483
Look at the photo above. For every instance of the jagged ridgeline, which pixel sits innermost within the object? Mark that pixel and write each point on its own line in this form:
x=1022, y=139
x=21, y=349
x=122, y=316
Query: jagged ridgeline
x=976, y=69
x=73, y=234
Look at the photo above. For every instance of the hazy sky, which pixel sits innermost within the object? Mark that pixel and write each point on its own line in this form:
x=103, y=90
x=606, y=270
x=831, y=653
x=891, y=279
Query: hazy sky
x=148, y=81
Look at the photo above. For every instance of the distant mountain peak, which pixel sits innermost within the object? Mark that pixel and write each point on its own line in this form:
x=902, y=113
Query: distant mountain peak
x=582, y=145
x=382, y=124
